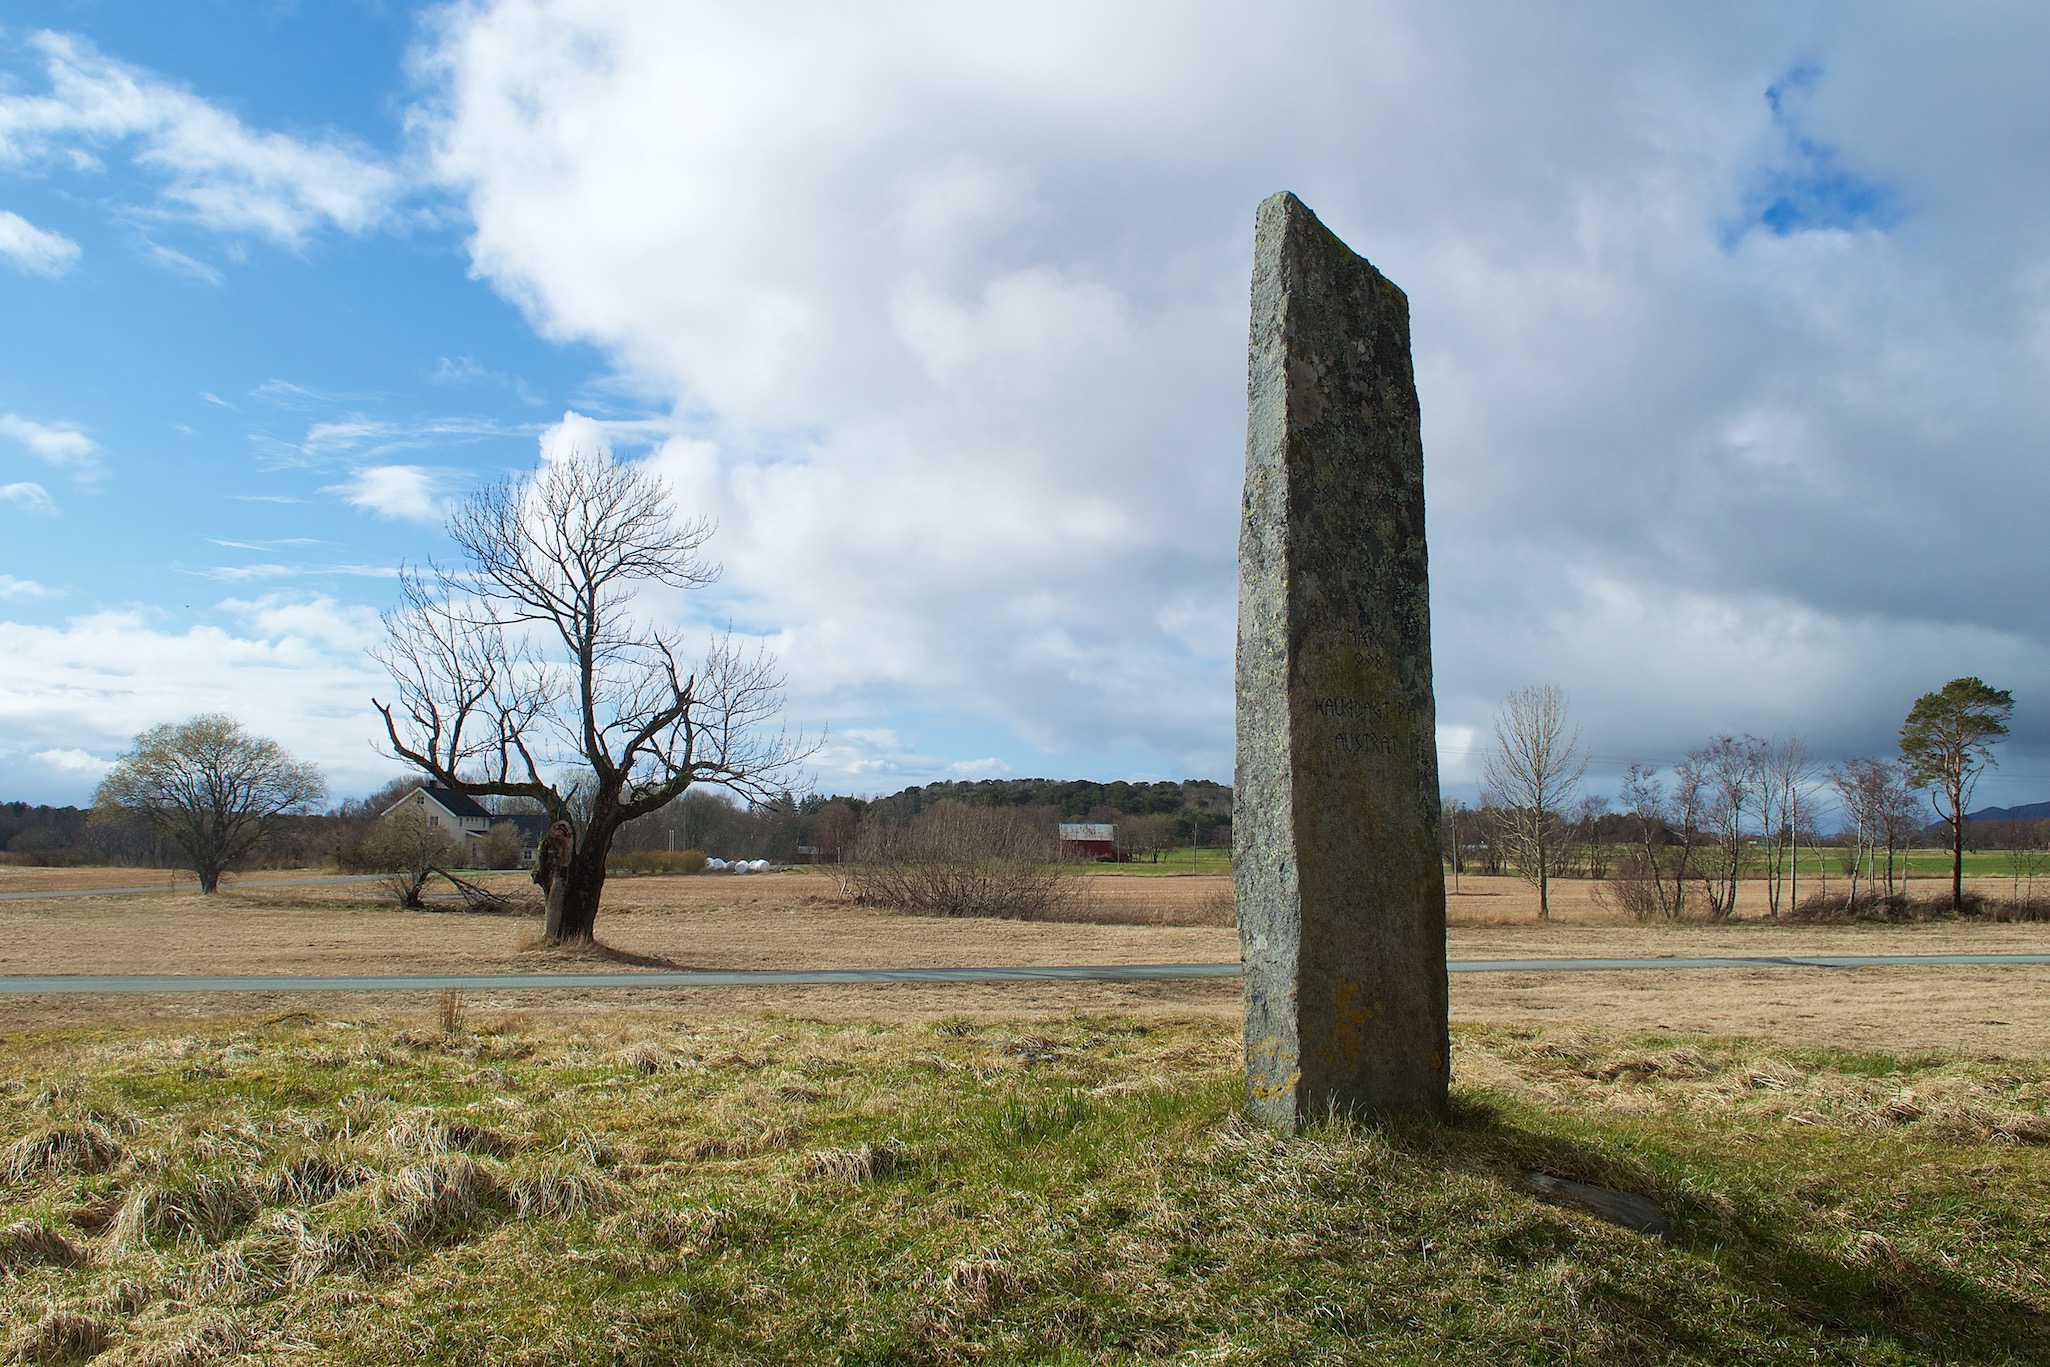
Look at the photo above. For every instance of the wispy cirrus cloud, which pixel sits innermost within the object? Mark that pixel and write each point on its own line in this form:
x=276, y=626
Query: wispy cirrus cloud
x=23, y=590
x=178, y=263
x=29, y=497
x=245, y=574
x=355, y=439
x=37, y=251
x=210, y=167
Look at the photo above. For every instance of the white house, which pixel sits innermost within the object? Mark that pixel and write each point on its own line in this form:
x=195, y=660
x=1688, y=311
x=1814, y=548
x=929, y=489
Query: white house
x=463, y=817
x=457, y=813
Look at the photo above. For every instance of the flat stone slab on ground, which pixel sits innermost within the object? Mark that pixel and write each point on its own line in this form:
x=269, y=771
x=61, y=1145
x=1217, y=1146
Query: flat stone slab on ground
x=1625, y=1208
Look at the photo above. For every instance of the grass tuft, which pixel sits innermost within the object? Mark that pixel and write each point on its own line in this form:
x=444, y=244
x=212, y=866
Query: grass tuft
x=423, y=1132
x=59, y=1336
x=561, y=1191
x=864, y=1163
x=205, y=1210
x=89, y=1147
x=31, y=1243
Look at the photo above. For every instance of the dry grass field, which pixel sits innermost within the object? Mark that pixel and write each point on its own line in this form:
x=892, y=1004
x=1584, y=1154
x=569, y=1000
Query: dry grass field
x=798, y=920
x=1016, y=1173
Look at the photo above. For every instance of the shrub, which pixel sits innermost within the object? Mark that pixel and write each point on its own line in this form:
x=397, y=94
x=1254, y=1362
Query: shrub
x=408, y=849
x=952, y=860
x=500, y=848
x=655, y=861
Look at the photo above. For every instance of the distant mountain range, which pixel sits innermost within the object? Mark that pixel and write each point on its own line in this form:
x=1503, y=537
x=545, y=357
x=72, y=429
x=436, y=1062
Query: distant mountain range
x=2034, y=811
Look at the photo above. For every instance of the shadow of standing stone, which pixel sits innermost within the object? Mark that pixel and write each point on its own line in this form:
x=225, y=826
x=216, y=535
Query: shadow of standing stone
x=1341, y=895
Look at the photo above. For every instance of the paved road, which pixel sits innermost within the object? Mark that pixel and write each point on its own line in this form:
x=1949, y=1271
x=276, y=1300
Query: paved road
x=188, y=887
x=820, y=977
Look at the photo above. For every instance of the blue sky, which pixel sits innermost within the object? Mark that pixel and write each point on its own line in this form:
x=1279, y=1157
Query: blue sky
x=941, y=314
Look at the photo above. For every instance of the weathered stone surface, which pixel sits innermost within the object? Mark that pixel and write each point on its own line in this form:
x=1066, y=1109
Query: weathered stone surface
x=1625, y=1208
x=1341, y=895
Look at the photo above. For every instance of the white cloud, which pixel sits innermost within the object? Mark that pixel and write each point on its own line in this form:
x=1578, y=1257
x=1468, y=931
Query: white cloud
x=951, y=309
x=411, y=493
x=214, y=170
x=85, y=688
x=178, y=263
x=325, y=438
x=35, y=250
x=575, y=432
x=245, y=574
x=321, y=620
x=30, y=498
x=59, y=443
x=23, y=590
x=75, y=762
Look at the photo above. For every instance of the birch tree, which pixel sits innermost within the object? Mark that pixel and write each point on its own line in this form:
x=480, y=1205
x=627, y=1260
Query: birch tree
x=1533, y=769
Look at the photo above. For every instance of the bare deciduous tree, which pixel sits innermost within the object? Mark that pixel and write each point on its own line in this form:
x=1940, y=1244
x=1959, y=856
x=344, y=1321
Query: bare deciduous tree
x=1786, y=773
x=211, y=787
x=1532, y=770
x=409, y=848
x=1664, y=826
x=2027, y=846
x=525, y=674
x=1883, y=810
x=1731, y=772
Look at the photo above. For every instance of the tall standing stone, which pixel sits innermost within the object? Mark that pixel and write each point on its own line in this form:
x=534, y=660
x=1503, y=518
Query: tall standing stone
x=1341, y=894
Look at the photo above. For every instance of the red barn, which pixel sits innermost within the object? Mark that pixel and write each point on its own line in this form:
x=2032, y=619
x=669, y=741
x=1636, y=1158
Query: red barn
x=1088, y=841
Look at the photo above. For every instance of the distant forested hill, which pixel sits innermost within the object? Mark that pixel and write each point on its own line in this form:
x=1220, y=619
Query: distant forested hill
x=2034, y=811
x=1075, y=799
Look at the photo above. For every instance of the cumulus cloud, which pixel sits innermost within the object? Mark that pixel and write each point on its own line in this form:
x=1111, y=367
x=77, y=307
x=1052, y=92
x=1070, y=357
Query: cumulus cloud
x=60, y=443
x=75, y=762
x=213, y=169
x=84, y=689
x=29, y=497
x=411, y=493
x=35, y=250
x=320, y=619
x=949, y=308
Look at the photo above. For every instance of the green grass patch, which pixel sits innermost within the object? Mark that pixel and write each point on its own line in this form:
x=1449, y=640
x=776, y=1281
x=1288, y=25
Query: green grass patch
x=1206, y=859
x=1083, y=1191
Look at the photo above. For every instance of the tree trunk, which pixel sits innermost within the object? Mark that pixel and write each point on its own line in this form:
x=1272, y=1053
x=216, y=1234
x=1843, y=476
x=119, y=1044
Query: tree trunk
x=551, y=924
x=581, y=885
x=1957, y=856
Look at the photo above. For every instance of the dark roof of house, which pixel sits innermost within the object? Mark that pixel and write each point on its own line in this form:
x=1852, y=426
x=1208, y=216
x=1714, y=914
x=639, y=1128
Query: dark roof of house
x=532, y=826
x=457, y=804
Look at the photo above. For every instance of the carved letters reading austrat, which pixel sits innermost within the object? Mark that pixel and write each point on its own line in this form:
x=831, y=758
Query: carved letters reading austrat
x=1365, y=742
